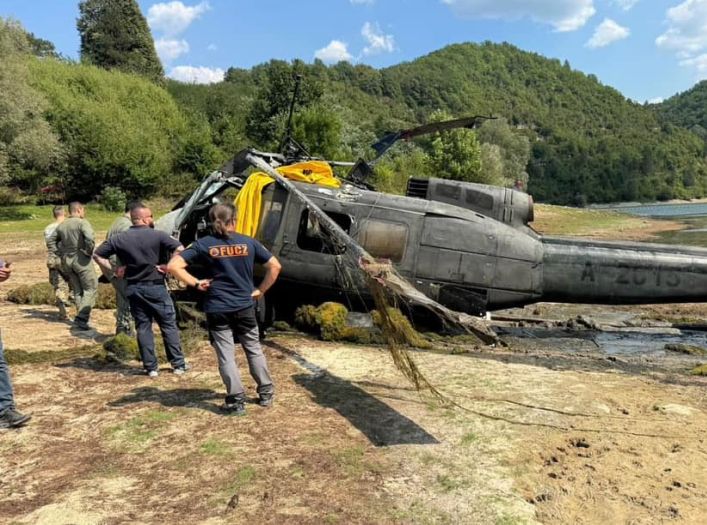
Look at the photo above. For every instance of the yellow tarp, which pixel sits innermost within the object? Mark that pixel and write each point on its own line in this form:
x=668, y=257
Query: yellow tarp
x=249, y=199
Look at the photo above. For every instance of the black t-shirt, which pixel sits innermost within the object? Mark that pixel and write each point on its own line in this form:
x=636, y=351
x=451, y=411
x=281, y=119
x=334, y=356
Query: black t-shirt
x=230, y=262
x=140, y=249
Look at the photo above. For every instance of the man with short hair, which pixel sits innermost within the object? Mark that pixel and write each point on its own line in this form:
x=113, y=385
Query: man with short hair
x=57, y=278
x=123, y=318
x=145, y=251
x=74, y=240
x=9, y=416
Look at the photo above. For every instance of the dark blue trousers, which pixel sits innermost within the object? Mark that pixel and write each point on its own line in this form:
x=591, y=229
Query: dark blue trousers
x=6, y=397
x=150, y=301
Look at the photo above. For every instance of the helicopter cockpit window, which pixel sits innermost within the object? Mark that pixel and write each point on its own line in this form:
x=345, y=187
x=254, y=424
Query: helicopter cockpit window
x=310, y=237
x=271, y=214
x=386, y=240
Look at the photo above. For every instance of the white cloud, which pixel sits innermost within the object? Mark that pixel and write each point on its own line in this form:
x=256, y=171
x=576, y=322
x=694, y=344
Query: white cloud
x=606, y=33
x=336, y=51
x=378, y=42
x=172, y=18
x=624, y=4
x=687, y=28
x=698, y=63
x=197, y=75
x=169, y=49
x=212, y=47
x=656, y=100
x=563, y=15
x=362, y=2
x=687, y=34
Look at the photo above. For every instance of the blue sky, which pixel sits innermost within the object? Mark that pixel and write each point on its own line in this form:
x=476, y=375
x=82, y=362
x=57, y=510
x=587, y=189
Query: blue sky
x=647, y=49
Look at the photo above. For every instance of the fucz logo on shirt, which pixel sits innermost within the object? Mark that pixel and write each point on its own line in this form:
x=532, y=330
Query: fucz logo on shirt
x=229, y=250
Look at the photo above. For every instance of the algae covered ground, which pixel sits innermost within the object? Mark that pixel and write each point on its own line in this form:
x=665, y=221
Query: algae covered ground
x=540, y=432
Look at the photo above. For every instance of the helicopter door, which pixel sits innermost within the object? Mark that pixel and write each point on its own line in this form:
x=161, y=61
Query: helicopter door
x=273, y=204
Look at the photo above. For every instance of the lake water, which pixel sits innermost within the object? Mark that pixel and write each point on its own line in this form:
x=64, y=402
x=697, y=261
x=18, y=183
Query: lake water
x=693, y=215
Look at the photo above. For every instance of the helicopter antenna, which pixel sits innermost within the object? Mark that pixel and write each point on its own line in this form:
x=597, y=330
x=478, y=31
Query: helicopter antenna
x=289, y=147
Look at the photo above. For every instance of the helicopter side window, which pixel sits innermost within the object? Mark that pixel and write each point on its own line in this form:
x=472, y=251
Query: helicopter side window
x=271, y=214
x=310, y=237
x=386, y=240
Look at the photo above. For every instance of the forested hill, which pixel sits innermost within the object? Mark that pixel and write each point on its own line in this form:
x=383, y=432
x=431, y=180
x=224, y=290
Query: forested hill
x=588, y=142
x=112, y=125
x=687, y=109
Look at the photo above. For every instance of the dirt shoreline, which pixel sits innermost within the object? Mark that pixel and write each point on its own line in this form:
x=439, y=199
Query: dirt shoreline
x=540, y=435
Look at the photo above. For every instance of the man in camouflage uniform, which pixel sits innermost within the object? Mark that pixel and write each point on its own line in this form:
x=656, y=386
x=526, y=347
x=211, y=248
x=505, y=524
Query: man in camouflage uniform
x=74, y=240
x=59, y=281
x=123, y=319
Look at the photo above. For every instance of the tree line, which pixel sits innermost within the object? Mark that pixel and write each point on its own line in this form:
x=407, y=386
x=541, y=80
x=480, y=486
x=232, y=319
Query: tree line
x=112, y=120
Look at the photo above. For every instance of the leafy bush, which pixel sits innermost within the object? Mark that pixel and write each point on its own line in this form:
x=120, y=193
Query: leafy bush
x=113, y=199
x=119, y=130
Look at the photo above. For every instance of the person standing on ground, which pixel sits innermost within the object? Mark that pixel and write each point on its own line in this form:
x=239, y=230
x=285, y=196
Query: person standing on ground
x=145, y=251
x=59, y=281
x=123, y=319
x=74, y=240
x=9, y=416
x=230, y=300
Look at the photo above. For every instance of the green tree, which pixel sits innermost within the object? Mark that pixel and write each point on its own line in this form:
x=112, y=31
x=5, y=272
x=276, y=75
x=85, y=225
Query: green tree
x=513, y=148
x=29, y=150
x=266, y=120
x=455, y=154
x=119, y=130
x=114, y=35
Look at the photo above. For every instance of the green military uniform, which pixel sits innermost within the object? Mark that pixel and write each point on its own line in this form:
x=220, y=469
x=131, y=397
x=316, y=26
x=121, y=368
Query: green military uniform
x=59, y=281
x=74, y=240
x=123, y=319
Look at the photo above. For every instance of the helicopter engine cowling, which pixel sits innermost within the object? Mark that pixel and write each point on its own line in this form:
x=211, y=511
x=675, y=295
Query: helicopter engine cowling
x=511, y=207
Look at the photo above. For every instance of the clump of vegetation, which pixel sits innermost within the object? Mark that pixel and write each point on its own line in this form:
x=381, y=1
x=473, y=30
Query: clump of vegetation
x=40, y=293
x=105, y=298
x=122, y=347
x=700, y=370
x=43, y=293
x=328, y=321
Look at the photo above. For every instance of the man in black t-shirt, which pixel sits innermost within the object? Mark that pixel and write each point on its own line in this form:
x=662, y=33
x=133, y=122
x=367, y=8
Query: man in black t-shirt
x=145, y=251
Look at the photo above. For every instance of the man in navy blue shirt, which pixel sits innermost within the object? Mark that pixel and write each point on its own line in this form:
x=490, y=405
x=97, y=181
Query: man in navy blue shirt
x=145, y=251
x=229, y=257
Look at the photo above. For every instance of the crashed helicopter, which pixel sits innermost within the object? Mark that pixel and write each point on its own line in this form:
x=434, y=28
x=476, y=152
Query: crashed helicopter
x=466, y=246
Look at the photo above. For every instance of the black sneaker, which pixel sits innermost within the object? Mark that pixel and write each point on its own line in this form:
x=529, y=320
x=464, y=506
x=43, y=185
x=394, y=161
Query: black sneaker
x=266, y=400
x=11, y=418
x=234, y=406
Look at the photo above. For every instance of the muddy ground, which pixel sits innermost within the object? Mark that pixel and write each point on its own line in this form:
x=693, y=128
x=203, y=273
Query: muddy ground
x=551, y=429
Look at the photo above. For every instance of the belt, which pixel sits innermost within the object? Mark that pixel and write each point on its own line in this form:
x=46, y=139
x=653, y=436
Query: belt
x=151, y=282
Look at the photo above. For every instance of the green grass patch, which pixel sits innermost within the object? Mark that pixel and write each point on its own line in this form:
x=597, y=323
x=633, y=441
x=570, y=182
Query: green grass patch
x=137, y=433
x=22, y=357
x=350, y=460
x=31, y=218
x=244, y=476
x=468, y=439
x=214, y=447
x=562, y=220
x=700, y=370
